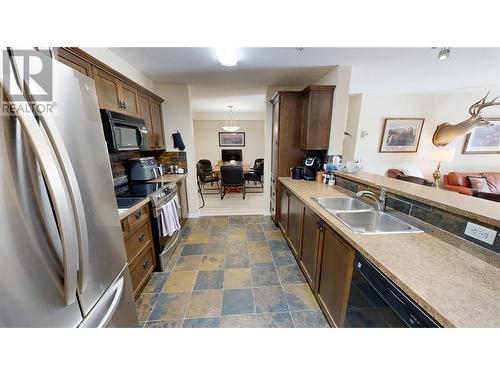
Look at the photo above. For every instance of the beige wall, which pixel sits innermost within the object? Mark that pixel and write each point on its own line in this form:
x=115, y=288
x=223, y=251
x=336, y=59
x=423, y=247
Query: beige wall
x=177, y=116
x=116, y=62
x=349, y=144
x=206, y=139
x=449, y=107
x=340, y=77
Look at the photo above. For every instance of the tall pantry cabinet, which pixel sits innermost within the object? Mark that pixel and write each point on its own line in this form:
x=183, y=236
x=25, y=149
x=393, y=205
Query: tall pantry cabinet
x=286, y=151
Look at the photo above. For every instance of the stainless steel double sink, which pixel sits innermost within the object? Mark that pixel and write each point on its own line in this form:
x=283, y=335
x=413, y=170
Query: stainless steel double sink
x=361, y=218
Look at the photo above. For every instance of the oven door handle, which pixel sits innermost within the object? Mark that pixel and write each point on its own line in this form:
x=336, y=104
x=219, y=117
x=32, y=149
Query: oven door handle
x=168, y=199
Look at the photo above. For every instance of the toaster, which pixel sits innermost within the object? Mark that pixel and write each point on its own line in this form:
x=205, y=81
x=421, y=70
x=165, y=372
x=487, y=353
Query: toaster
x=142, y=169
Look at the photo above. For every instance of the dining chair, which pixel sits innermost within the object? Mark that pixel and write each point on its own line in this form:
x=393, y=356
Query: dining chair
x=205, y=174
x=256, y=174
x=231, y=176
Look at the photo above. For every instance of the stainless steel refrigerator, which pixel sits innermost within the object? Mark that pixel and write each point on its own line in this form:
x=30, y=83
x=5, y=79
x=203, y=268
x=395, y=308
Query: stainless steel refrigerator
x=62, y=255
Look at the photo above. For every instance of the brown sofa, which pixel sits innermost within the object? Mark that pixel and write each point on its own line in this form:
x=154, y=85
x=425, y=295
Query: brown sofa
x=396, y=173
x=457, y=181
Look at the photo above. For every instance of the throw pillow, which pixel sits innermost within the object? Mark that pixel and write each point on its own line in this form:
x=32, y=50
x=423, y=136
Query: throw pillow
x=479, y=184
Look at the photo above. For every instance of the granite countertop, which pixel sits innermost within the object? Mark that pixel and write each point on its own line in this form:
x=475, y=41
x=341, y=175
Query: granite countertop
x=482, y=210
x=124, y=212
x=170, y=178
x=454, y=280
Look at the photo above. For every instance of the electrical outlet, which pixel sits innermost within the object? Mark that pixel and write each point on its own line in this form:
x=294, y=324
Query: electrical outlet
x=480, y=233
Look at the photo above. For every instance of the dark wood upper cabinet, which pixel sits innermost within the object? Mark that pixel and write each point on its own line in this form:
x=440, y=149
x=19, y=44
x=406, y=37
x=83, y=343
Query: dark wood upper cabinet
x=316, y=117
x=73, y=61
x=114, y=94
x=108, y=90
x=157, y=121
x=128, y=95
x=145, y=113
x=311, y=236
x=335, y=274
x=117, y=92
x=295, y=215
x=150, y=111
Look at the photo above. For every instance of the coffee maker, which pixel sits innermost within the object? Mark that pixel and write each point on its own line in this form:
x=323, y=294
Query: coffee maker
x=312, y=164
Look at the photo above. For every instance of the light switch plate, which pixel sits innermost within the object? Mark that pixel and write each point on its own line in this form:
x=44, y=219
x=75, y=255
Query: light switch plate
x=480, y=233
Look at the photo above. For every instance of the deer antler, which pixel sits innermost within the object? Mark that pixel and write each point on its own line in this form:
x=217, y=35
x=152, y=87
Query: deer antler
x=475, y=109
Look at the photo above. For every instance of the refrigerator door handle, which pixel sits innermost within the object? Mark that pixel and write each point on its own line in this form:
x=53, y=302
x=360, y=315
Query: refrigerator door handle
x=74, y=192
x=58, y=193
x=105, y=308
x=69, y=177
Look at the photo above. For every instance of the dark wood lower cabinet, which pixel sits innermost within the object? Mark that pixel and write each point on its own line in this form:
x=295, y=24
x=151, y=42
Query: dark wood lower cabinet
x=283, y=210
x=182, y=195
x=335, y=272
x=324, y=257
x=311, y=233
x=295, y=214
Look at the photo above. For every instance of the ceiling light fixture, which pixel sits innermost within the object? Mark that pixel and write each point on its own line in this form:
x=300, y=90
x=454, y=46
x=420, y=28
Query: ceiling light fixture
x=230, y=125
x=227, y=56
x=444, y=53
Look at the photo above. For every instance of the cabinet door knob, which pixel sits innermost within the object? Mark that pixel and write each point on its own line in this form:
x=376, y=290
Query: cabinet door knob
x=138, y=215
x=145, y=264
x=141, y=237
x=321, y=225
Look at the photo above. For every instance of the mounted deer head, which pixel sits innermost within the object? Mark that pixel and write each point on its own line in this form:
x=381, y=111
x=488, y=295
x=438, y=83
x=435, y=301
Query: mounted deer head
x=445, y=133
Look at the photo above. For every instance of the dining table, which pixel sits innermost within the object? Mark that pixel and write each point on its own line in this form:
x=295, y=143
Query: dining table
x=246, y=168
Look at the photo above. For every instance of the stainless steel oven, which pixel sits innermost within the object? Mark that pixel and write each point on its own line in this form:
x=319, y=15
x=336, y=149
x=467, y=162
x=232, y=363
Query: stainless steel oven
x=165, y=245
x=124, y=132
x=159, y=193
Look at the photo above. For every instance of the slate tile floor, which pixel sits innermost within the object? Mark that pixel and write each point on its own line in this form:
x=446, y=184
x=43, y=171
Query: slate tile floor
x=230, y=271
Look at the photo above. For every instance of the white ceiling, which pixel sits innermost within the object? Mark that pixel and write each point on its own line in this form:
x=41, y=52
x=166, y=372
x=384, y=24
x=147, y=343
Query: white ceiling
x=380, y=70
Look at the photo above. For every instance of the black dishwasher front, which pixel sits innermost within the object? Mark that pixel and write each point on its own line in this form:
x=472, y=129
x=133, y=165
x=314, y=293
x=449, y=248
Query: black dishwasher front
x=375, y=301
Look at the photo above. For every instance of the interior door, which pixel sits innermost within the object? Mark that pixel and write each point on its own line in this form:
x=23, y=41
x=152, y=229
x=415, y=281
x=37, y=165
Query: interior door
x=33, y=267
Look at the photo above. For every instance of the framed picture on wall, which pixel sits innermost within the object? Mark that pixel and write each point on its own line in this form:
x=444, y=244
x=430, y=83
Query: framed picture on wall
x=484, y=140
x=230, y=139
x=401, y=134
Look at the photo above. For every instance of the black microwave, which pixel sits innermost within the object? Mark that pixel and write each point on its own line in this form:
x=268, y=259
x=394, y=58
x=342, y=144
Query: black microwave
x=124, y=132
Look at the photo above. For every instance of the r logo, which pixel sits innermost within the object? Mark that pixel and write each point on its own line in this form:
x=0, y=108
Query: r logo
x=32, y=70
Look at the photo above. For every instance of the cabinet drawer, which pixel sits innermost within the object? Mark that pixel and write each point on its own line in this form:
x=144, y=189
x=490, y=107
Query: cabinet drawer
x=141, y=269
x=137, y=218
x=124, y=224
x=273, y=183
x=137, y=241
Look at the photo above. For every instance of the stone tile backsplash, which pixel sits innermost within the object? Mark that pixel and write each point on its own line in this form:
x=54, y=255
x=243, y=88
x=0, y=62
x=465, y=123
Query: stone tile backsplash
x=118, y=160
x=178, y=158
x=445, y=220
